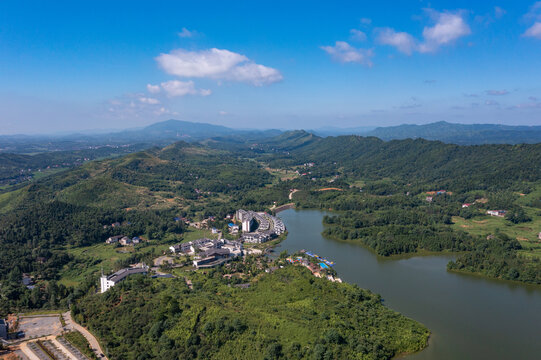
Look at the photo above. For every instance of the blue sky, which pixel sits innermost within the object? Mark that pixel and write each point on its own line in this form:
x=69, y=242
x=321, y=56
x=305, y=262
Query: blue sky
x=74, y=65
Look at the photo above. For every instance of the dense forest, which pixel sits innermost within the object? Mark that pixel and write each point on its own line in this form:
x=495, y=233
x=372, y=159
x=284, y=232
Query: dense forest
x=288, y=314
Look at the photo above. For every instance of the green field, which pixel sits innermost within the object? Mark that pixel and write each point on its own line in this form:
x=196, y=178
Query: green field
x=526, y=233
x=194, y=234
x=89, y=261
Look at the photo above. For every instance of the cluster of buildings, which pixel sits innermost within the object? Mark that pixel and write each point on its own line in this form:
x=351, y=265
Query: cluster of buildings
x=259, y=227
x=123, y=240
x=108, y=281
x=209, y=252
x=315, y=268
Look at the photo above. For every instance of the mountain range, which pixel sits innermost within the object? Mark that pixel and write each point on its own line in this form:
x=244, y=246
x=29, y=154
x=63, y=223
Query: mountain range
x=167, y=132
x=461, y=134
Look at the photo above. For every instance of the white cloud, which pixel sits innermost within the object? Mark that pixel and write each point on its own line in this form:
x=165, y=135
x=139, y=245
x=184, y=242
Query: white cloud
x=491, y=103
x=534, y=15
x=448, y=28
x=403, y=41
x=149, y=100
x=175, y=88
x=534, y=12
x=499, y=12
x=366, y=21
x=185, y=33
x=497, y=92
x=217, y=64
x=222, y=112
x=534, y=31
x=153, y=89
x=357, y=35
x=345, y=53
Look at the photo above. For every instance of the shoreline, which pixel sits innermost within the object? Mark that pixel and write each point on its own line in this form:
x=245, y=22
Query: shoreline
x=421, y=253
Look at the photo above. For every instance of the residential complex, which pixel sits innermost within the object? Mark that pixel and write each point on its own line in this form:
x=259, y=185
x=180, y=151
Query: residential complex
x=259, y=227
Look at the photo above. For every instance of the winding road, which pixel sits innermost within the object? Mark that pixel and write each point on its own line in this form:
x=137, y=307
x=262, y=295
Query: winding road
x=94, y=344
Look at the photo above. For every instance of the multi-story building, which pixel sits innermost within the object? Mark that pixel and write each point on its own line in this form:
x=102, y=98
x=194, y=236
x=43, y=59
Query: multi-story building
x=108, y=282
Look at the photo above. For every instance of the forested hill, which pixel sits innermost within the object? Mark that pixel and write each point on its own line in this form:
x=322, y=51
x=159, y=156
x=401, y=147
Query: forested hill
x=462, y=134
x=464, y=167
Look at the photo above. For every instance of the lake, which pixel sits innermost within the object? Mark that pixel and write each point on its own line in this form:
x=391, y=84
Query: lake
x=470, y=317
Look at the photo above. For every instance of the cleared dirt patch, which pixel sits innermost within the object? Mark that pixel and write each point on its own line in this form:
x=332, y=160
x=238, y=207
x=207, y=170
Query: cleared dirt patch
x=37, y=326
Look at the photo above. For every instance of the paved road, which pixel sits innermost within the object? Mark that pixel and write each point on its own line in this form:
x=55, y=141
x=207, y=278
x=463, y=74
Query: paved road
x=94, y=344
x=163, y=259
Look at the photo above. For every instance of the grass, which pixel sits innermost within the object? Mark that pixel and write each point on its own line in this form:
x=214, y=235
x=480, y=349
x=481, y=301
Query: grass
x=194, y=234
x=79, y=341
x=43, y=312
x=9, y=200
x=282, y=174
x=90, y=259
x=357, y=183
x=531, y=249
x=526, y=233
x=531, y=197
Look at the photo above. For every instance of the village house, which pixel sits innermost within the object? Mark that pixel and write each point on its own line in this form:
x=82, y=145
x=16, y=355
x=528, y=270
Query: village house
x=466, y=205
x=114, y=239
x=125, y=241
x=498, y=213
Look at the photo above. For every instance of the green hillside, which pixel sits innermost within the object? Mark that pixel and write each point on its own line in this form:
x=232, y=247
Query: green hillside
x=287, y=314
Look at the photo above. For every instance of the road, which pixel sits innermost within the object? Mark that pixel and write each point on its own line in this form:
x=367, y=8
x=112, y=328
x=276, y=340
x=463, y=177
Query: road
x=293, y=191
x=26, y=351
x=163, y=259
x=94, y=344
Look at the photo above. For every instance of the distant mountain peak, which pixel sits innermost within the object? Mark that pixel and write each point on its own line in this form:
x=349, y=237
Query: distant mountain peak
x=461, y=134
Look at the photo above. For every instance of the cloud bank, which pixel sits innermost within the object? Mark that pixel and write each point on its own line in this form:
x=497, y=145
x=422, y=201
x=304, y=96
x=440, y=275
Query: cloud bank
x=217, y=64
x=448, y=27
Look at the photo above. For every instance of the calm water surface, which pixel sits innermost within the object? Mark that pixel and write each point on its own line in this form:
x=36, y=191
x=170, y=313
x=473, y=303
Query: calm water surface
x=469, y=317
